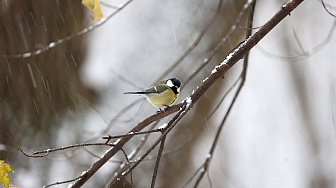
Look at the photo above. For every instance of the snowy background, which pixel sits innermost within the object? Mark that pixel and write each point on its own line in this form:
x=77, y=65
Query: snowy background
x=281, y=132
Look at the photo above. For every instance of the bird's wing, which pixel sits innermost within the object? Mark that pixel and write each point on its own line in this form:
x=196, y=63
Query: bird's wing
x=157, y=89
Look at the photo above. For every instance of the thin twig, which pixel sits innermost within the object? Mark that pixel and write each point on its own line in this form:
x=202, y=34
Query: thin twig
x=123, y=111
x=98, y=157
x=128, y=162
x=171, y=125
x=34, y=156
x=121, y=142
x=125, y=79
x=194, y=175
x=115, y=118
x=157, y=163
x=206, y=119
x=70, y=37
x=252, y=28
x=209, y=179
x=217, y=136
x=200, y=131
x=71, y=146
x=132, y=154
x=109, y=137
x=307, y=53
x=68, y=181
x=195, y=43
x=325, y=8
x=86, y=103
x=222, y=42
x=142, y=141
x=298, y=41
x=62, y=182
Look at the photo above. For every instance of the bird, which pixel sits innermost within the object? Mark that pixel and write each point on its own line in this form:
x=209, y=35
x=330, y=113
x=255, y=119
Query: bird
x=163, y=94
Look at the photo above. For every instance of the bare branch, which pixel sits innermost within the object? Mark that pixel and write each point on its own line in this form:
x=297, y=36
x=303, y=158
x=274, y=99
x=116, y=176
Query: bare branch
x=72, y=146
x=196, y=42
x=70, y=37
x=194, y=175
x=325, y=8
x=63, y=182
x=223, y=41
x=306, y=53
x=209, y=179
x=109, y=137
x=128, y=162
x=217, y=73
x=243, y=76
x=98, y=157
x=132, y=154
x=120, y=143
x=72, y=180
x=207, y=118
x=170, y=126
x=34, y=156
x=125, y=109
x=122, y=77
x=177, y=62
x=156, y=169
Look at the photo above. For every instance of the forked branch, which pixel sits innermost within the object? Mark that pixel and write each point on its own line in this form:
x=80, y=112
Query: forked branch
x=237, y=54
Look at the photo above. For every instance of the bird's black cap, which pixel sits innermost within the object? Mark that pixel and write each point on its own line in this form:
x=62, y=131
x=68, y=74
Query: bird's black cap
x=176, y=82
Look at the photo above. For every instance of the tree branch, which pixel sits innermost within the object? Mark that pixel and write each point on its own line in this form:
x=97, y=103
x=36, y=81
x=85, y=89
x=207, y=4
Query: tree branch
x=121, y=142
x=325, y=7
x=132, y=154
x=172, y=123
x=157, y=163
x=243, y=76
x=70, y=37
x=217, y=73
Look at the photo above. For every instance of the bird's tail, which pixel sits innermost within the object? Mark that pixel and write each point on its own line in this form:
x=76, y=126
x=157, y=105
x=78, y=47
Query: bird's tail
x=137, y=92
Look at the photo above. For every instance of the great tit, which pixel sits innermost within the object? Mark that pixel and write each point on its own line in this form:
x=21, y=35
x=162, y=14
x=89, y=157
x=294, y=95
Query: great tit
x=162, y=94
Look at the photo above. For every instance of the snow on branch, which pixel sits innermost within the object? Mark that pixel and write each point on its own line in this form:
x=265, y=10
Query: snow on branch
x=183, y=107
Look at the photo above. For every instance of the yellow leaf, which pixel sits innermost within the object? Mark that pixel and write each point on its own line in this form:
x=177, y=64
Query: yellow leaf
x=12, y=186
x=4, y=176
x=94, y=6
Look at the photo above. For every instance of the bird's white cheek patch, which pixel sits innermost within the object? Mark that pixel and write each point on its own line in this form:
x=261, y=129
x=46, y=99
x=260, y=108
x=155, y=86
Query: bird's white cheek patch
x=178, y=90
x=170, y=83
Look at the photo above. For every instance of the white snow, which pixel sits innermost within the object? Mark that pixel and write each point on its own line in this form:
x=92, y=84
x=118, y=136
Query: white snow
x=116, y=142
x=163, y=126
x=84, y=172
x=188, y=101
x=52, y=45
x=26, y=55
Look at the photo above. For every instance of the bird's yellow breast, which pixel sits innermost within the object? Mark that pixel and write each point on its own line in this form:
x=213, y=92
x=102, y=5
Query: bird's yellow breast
x=165, y=98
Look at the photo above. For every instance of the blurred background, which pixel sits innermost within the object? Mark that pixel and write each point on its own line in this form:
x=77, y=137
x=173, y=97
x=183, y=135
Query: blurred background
x=280, y=133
